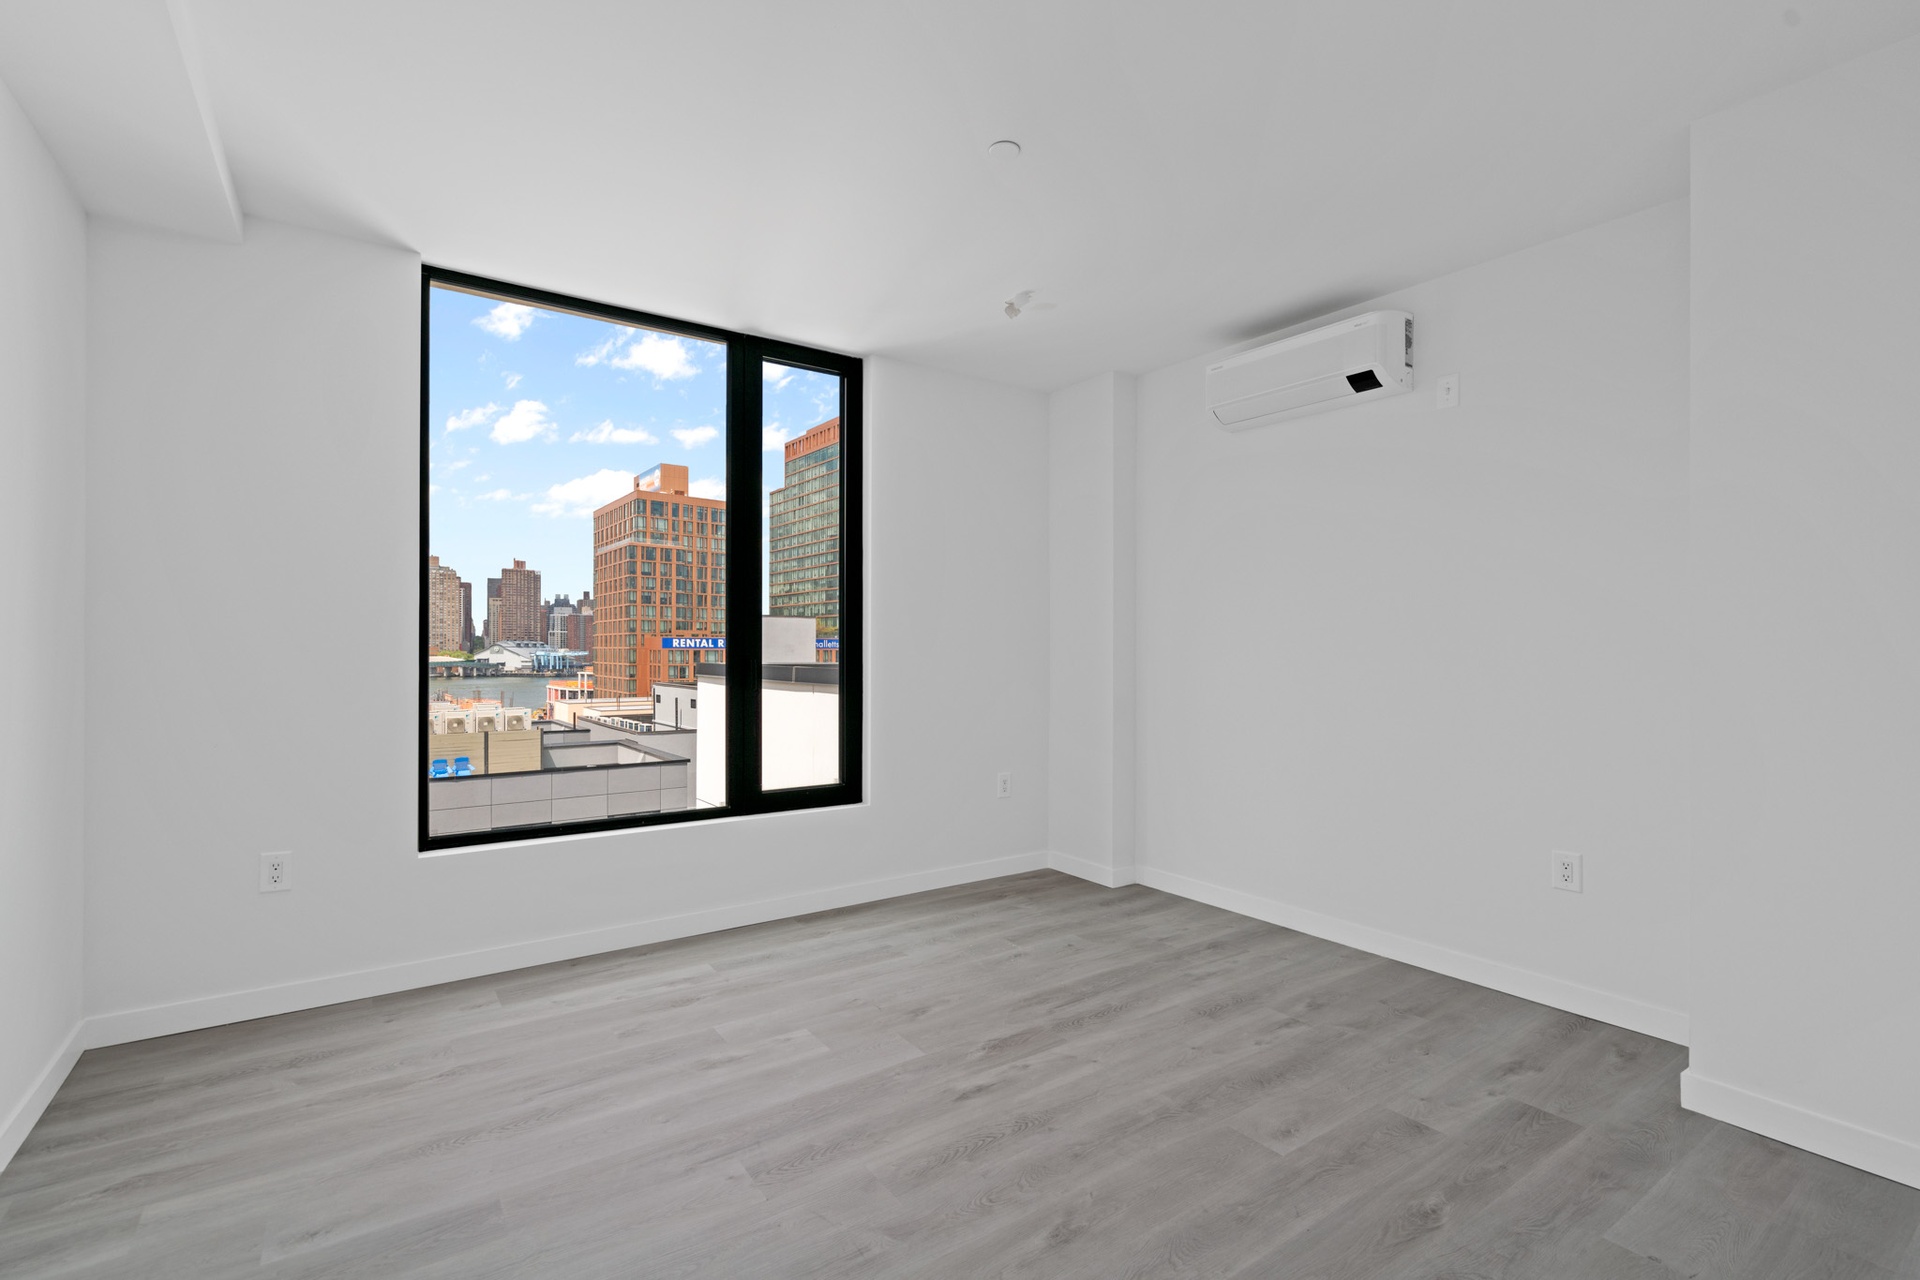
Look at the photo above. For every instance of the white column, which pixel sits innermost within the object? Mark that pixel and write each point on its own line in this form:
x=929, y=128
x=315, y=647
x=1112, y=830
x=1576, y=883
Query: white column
x=1091, y=495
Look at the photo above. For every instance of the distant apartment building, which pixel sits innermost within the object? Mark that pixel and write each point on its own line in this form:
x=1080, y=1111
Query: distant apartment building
x=803, y=573
x=559, y=609
x=580, y=625
x=521, y=615
x=446, y=632
x=659, y=584
x=466, y=617
x=491, y=633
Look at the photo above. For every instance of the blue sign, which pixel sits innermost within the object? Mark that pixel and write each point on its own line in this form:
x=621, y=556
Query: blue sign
x=720, y=642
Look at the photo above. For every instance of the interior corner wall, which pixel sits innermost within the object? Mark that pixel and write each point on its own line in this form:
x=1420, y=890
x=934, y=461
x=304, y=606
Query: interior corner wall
x=255, y=485
x=1091, y=513
x=1805, y=613
x=1393, y=656
x=43, y=505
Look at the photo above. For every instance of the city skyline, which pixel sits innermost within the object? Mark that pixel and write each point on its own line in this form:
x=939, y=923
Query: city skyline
x=537, y=417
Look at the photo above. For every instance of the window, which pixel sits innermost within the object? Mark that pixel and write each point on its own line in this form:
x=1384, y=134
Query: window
x=577, y=460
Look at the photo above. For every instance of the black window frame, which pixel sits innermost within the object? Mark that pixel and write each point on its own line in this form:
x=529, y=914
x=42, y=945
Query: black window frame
x=745, y=573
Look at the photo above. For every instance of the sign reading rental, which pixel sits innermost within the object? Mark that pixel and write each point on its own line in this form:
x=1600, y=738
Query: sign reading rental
x=693, y=642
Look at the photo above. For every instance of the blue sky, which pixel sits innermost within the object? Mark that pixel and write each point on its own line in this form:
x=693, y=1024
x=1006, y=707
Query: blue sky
x=536, y=417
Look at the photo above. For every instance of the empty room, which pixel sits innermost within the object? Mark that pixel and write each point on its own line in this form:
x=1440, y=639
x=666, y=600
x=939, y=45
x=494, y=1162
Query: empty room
x=1271, y=640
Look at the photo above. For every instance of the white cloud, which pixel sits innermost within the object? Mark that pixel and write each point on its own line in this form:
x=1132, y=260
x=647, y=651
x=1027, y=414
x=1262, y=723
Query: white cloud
x=580, y=497
x=433, y=488
x=772, y=436
x=607, y=433
x=604, y=352
x=476, y=417
x=464, y=462
x=708, y=489
x=527, y=419
x=694, y=437
x=664, y=358
x=508, y=320
x=513, y=380
x=778, y=374
x=497, y=495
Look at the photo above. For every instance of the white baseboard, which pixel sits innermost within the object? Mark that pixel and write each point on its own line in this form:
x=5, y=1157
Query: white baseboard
x=125, y=1025
x=21, y=1120
x=1823, y=1135
x=1588, y=1002
x=1087, y=869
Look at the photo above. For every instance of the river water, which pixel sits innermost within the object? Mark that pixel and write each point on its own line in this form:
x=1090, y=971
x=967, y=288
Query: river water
x=511, y=691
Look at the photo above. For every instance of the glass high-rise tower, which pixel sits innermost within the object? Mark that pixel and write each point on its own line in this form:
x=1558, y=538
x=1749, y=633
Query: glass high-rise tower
x=803, y=571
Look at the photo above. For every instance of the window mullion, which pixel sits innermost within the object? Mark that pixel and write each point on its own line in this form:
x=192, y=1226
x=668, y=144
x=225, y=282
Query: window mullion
x=744, y=569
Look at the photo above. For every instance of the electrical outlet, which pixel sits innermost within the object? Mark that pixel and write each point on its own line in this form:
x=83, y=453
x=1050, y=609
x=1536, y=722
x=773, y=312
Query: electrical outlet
x=1003, y=786
x=1446, y=392
x=276, y=874
x=1566, y=871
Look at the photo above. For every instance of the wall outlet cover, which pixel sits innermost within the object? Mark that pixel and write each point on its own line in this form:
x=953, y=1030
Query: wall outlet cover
x=1567, y=871
x=276, y=872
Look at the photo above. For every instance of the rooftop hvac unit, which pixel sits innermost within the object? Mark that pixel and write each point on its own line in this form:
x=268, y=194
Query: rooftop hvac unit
x=1364, y=358
x=516, y=720
x=458, y=722
x=488, y=722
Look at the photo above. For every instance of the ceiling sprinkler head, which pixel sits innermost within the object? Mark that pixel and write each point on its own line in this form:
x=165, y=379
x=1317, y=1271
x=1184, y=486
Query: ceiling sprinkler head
x=1018, y=301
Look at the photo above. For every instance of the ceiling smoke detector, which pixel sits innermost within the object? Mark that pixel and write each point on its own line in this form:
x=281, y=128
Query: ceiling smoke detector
x=1017, y=301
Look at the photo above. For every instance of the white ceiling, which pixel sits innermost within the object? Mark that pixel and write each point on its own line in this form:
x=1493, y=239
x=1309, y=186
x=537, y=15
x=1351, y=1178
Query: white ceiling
x=112, y=87
x=1194, y=173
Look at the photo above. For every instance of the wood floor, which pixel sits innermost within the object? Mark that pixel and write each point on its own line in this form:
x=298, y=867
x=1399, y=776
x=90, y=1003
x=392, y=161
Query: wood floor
x=1028, y=1077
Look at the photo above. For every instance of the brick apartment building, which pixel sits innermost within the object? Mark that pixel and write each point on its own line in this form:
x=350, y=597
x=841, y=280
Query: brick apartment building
x=521, y=615
x=659, y=577
x=446, y=609
x=580, y=625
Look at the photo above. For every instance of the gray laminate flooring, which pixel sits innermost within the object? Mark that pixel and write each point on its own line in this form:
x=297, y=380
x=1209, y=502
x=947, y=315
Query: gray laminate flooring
x=1026, y=1077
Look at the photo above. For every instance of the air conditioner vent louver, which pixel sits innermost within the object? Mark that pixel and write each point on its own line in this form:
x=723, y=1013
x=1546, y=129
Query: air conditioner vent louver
x=1362, y=358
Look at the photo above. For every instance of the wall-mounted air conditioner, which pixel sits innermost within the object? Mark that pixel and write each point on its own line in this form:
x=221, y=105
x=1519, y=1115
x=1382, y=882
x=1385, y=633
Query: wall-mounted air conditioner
x=1363, y=358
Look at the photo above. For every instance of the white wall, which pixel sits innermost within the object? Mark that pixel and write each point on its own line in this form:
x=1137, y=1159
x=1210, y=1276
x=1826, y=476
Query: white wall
x=1806, y=613
x=43, y=503
x=1429, y=647
x=799, y=739
x=1090, y=485
x=255, y=443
